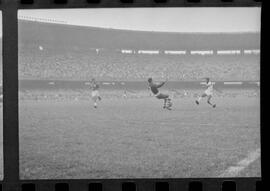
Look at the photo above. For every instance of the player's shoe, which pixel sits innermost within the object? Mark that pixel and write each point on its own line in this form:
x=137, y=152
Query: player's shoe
x=169, y=104
x=169, y=108
x=95, y=106
x=165, y=106
x=214, y=105
x=197, y=102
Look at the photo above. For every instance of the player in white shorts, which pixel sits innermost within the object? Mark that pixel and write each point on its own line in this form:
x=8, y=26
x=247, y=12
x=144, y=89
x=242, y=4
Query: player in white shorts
x=95, y=93
x=207, y=93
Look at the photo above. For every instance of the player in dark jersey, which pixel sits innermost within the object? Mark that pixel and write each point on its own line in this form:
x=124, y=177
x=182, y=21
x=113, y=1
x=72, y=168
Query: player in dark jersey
x=154, y=89
x=95, y=92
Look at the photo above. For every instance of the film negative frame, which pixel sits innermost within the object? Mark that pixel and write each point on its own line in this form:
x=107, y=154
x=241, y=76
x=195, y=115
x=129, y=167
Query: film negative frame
x=12, y=182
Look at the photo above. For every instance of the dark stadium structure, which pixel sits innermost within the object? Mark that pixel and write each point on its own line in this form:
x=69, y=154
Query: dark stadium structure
x=85, y=37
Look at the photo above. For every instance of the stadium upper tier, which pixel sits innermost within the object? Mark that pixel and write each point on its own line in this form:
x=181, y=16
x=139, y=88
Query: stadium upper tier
x=61, y=35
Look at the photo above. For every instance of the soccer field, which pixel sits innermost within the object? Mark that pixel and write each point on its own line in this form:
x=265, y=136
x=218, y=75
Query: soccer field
x=136, y=138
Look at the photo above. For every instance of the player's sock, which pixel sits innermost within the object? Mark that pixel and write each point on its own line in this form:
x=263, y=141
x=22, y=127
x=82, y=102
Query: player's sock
x=169, y=108
x=169, y=103
x=165, y=103
x=164, y=106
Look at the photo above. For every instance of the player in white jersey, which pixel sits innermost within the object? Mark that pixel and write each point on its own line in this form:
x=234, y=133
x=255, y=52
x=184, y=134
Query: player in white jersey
x=95, y=92
x=207, y=93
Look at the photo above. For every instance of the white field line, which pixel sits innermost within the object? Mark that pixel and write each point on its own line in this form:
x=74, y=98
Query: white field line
x=233, y=83
x=193, y=124
x=200, y=124
x=235, y=170
x=215, y=124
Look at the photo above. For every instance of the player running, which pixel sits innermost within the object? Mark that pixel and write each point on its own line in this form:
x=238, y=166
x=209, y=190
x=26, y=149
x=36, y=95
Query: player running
x=154, y=89
x=207, y=93
x=95, y=93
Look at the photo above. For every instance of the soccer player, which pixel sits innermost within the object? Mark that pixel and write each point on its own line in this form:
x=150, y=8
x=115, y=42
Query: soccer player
x=125, y=94
x=154, y=89
x=207, y=93
x=95, y=93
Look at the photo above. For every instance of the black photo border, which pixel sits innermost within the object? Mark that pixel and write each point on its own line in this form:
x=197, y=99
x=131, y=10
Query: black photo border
x=12, y=182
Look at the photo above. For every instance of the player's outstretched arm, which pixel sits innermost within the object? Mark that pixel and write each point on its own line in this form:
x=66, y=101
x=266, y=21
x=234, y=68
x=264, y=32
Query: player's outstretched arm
x=161, y=84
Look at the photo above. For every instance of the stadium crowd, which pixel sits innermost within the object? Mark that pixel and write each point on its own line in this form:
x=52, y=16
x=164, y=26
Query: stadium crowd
x=75, y=64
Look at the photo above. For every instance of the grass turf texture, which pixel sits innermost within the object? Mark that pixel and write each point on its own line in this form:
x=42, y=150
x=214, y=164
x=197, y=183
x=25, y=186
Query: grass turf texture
x=136, y=138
